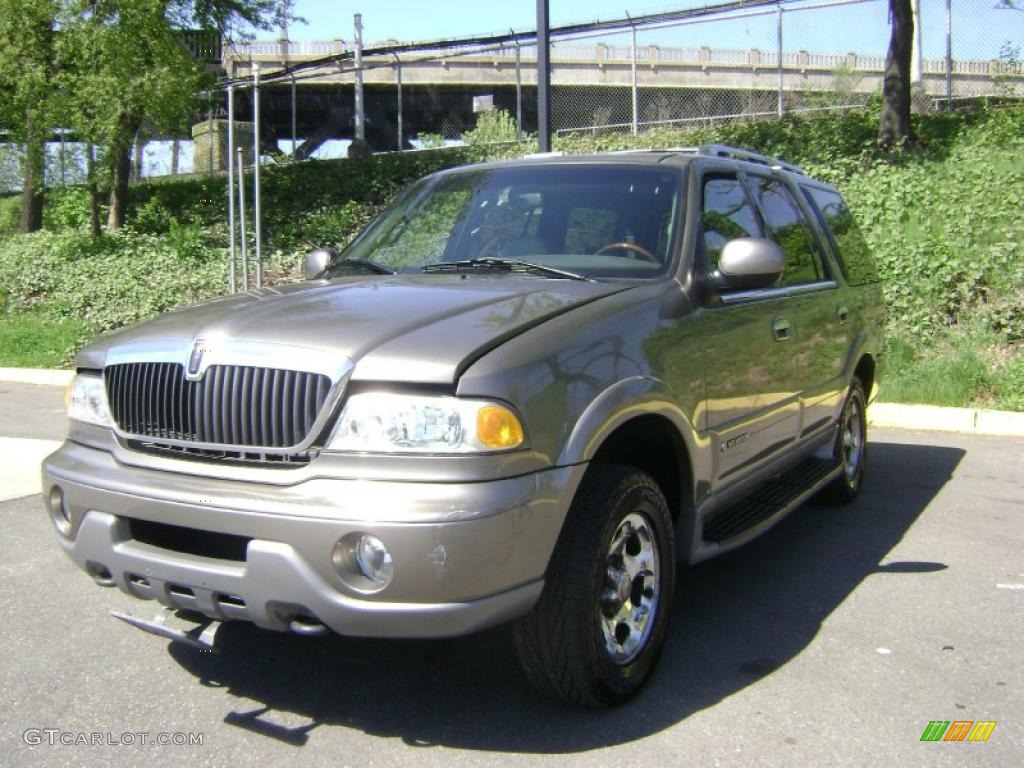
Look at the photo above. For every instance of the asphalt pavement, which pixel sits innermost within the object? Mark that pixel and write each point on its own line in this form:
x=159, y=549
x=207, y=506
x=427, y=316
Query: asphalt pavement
x=832, y=641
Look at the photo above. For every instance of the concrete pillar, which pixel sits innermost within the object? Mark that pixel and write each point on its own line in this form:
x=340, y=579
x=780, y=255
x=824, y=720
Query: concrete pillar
x=215, y=132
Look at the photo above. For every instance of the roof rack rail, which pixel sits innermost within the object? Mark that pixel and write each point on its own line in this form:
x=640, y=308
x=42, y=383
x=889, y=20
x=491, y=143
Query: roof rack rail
x=724, y=150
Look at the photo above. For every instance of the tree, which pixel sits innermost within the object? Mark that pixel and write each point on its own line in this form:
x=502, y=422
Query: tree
x=125, y=64
x=894, y=124
x=26, y=82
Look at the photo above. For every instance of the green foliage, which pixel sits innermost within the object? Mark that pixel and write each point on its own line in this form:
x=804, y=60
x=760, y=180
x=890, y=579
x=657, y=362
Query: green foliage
x=967, y=366
x=26, y=66
x=10, y=215
x=31, y=341
x=950, y=372
x=1008, y=383
x=112, y=280
x=67, y=208
x=947, y=231
x=431, y=140
x=327, y=226
x=492, y=127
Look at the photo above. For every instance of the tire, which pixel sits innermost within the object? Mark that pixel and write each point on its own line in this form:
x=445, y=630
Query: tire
x=851, y=448
x=586, y=641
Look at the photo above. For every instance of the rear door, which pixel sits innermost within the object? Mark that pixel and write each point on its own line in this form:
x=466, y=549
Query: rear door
x=813, y=312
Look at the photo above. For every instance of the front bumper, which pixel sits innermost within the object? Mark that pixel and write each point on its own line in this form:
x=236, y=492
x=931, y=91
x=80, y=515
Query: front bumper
x=466, y=555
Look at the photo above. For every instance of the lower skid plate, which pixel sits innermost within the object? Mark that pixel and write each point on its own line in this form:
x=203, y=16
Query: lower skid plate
x=202, y=637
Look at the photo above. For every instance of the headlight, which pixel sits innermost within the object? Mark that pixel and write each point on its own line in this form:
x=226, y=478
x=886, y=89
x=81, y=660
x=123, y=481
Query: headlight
x=87, y=400
x=392, y=423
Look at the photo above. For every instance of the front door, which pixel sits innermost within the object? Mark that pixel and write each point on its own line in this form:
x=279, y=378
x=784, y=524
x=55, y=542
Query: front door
x=752, y=408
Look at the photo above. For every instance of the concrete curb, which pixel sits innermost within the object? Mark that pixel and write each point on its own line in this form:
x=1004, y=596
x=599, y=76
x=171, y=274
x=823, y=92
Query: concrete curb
x=46, y=376
x=894, y=415
x=935, y=418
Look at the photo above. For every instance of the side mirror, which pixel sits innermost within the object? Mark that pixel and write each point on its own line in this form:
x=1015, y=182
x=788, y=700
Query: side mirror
x=316, y=262
x=749, y=262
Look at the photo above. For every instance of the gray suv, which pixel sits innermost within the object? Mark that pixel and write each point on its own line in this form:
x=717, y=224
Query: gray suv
x=524, y=394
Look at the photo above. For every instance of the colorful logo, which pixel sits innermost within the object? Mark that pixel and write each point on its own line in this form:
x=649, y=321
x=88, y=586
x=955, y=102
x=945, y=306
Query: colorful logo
x=958, y=730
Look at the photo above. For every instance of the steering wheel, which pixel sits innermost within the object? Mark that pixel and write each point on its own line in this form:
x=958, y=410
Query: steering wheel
x=638, y=249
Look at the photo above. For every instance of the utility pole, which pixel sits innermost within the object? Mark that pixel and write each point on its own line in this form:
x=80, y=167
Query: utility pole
x=543, y=78
x=781, y=106
x=949, y=57
x=916, y=60
x=519, y=91
x=360, y=115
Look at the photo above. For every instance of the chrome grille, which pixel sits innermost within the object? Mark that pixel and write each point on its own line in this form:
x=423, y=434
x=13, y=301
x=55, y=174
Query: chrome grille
x=231, y=405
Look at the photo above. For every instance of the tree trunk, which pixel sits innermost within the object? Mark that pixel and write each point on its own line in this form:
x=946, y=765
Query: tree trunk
x=120, y=170
x=894, y=125
x=33, y=168
x=94, y=193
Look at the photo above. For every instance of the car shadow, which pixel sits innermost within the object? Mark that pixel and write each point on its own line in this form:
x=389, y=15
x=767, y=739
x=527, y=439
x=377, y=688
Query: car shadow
x=736, y=619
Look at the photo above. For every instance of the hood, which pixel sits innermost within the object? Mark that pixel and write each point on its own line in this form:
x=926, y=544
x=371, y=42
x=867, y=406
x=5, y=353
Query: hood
x=414, y=328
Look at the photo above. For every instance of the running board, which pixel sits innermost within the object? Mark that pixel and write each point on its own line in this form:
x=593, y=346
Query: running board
x=203, y=637
x=776, y=498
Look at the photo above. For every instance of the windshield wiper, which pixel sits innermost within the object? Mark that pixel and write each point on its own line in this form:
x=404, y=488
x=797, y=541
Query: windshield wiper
x=507, y=265
x=372, y=266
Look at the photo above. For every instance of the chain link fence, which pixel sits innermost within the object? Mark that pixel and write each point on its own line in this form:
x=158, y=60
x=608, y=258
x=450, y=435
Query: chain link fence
x=754, y=62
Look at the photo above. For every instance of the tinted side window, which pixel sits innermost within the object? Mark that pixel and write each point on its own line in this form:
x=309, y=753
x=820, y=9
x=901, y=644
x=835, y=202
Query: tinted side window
x=787, y=228
x=726, y=213
x=851, y=249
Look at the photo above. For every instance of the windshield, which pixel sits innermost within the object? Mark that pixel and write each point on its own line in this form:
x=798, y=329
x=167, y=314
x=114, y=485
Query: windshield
x=598, y=221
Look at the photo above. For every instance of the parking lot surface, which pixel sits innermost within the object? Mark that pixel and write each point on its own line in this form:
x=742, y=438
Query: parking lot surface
x=832, y=641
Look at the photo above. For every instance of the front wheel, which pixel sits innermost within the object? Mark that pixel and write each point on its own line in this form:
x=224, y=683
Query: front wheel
x=851, y=448
x=596, y=631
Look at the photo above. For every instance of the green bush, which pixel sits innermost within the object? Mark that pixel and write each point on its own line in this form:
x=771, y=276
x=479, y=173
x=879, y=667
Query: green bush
x=110, y=281
x=67, y=208
x=493, y=127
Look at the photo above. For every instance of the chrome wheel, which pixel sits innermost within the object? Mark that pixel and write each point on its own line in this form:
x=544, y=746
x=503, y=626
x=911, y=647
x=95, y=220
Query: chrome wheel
x=852, y=440
x=629, y=597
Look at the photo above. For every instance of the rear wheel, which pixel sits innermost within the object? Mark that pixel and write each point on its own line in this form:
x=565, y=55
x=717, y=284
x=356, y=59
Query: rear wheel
x=595, y=634
x=851, y=448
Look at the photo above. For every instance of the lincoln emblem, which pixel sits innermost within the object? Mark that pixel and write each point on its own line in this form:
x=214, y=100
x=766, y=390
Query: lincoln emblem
x=195, y=360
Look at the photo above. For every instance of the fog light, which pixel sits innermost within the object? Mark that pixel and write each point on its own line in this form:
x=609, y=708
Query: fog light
x=59, y=512
x=374, y=560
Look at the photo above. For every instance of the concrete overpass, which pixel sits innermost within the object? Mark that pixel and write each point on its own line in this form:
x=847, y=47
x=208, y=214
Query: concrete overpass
x=591, y=85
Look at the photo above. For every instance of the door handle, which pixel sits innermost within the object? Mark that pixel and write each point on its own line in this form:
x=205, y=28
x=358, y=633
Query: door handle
x=780, y=328
x=842, y=314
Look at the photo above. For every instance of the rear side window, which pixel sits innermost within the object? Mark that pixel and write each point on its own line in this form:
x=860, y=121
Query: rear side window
x=726, y=213
x=788, y=229
x=855, y=260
